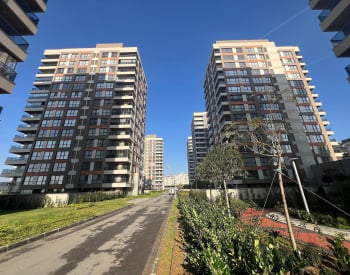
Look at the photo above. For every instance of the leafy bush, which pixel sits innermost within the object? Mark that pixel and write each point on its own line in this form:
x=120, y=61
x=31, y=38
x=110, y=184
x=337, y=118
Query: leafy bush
x=218, y=244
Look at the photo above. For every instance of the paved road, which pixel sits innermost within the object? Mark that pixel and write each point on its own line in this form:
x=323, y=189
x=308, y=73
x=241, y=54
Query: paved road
x=117, y=244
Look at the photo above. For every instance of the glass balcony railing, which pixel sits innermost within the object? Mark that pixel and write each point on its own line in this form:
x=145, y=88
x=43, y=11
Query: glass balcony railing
x=347, y=68
x=14, y=35
x=338, y=38
x=27, y=10
x=323, y=15
x=7, y=72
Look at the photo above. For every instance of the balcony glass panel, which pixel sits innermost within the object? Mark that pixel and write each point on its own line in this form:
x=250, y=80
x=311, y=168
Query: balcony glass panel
x=7, y=72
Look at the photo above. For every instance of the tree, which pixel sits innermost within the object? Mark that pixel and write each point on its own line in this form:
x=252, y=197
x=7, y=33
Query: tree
x=264, y=136
x=221, y=164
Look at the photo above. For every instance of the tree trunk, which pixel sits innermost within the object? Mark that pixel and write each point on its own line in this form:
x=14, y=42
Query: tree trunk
x=280, y=182
x=227, y=201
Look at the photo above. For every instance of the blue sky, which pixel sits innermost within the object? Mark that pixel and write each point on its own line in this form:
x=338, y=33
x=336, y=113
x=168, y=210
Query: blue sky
x=175, y=39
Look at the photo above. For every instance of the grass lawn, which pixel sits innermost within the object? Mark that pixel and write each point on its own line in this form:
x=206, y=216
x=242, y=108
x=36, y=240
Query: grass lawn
x=18, y=225
x=171, y=254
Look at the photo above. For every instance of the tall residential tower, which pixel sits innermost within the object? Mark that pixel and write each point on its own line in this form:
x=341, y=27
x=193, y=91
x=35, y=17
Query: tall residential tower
x=240, y=78
x=84, y=123
x=154, y=162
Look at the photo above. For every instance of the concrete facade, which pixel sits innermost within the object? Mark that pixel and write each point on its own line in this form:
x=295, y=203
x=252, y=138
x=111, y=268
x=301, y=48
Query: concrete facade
x=84, y=123
x=241, y=77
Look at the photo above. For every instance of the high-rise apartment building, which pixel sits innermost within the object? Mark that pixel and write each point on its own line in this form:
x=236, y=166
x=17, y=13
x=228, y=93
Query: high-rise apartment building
x=17, y=19
x=241, y=77
x=154, y=162
x=190, y=160
x=335, y=17
x=199, y=130
x=84, y=123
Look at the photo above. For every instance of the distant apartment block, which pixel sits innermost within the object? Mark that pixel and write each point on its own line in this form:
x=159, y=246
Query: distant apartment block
x=17, y=19
x=154, y=162
x=241, y=78
x=199, y=130
x=176, y=180
x=190, y=160
x=335, y=17
x=84, y=122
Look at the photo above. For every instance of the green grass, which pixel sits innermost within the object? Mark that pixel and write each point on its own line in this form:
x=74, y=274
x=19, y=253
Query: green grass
x=168, y=242
x=18, y=225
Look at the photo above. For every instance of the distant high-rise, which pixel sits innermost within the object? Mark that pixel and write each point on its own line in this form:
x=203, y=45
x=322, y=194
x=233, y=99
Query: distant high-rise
x=154, y=162
x=199, y=130
x=335, y=17
x=190, y=160
x=84, y=124
x=240, y=77
x=17, y=19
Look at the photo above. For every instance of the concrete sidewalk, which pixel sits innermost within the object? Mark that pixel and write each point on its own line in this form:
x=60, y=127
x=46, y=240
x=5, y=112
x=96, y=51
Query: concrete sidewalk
x=279, y=217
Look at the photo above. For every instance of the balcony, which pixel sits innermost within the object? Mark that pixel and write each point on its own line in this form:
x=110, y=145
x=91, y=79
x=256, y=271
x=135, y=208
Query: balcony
x=28, y=118
x=11, y=173
x=20, y=149
x=17, y=160
x=7, y=72
x=14, y=35
x=25, y=128
x=23, y=138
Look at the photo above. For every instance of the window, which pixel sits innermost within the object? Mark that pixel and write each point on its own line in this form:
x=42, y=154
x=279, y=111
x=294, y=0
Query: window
x=317, y=138
x=103, y=132
x=76, y=94
x=229, y=64
x=29, y=181
x=66, y=86
x=64, y=144
x=251, y=107
x=232, y=80
x=284, y=137
x=62, y=154
x=80, y=78
x=67, y=132
x=69, y=122
x=237, y=108
x=71, y=112
x=56, y=180
x=51, y=144
x=41, y=180
x=100, y=154
x=88, y=154
x=309, y=118
x=234, y=89
x=59, y=167
x=78, y=86
x=74, y=103
x=249, y=161
x=47, y=155
x=92, y=132
x=287, y=148
x=81, y=70
x=226, y=50
x=236, y=98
